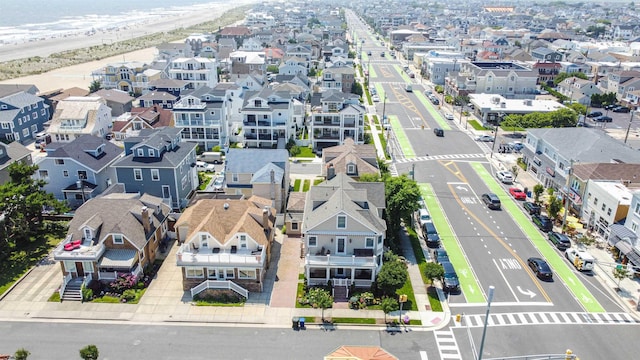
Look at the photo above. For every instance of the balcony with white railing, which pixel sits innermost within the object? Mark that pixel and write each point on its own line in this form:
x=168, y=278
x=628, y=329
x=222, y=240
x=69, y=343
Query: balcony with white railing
x=188, y=255
x=80, y=250
x=341, y=260
x=112, y=275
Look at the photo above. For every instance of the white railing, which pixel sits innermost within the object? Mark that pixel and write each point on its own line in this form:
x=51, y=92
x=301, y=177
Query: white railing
x=189, y=256
x=65, y=281
x=84, y=252
x=137, y=271
x=341, y=260
x=87, y=279
x=219, y=284
x=112, y=275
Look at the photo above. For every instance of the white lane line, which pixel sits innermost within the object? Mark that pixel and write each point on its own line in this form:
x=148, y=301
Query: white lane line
x=423, y=355
x=505, y=280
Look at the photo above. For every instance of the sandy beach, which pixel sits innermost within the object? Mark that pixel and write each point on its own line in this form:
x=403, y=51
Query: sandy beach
x=80, y=75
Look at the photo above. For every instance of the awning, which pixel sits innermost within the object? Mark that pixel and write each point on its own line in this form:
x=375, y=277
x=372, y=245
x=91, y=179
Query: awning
x=118, y=258
x=619, y=232
x=629, y=251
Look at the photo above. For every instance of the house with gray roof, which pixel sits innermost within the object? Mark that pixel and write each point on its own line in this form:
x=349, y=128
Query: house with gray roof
x=119, y=101
x=111, y=235
x=76, y=116
x=22, y=113
x=158, y=163
x=335, y=116
x=351, y=159
x=338, y=78
x=9, y=154
x=549, y=153
x=79, y=170
x=202, y=116
x=260, y=172
x=343, y=232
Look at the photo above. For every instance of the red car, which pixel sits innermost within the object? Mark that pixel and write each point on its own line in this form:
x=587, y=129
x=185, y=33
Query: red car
x=517, y=194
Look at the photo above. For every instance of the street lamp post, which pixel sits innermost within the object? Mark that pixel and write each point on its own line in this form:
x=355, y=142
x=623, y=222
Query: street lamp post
x=626, y=136
x=384, y=108
x=566, y=194
x=486, y=320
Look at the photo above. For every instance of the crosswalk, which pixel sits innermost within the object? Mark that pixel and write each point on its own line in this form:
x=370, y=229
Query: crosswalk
x=547, y=318
x=447, y=345
x=442, y=157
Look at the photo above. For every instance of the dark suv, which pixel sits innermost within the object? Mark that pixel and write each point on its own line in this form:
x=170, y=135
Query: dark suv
x=440, y=255
x=491, y=200
x=450, y=279
x=543, y=223
x=431, y=235
x=531, y=208
x=561, y=241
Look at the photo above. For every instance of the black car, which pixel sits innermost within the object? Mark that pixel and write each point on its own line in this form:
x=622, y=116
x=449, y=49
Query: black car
x=440, y=255
x=594, y=114
x=531, y=208
x=543, y=223
x=491, y=200
x=439, y=132
x=540, y=268
x=621, y=109
x=561, y=241
x=602, y=118
x=610, y=106
x=450, y=279
x=431, y=235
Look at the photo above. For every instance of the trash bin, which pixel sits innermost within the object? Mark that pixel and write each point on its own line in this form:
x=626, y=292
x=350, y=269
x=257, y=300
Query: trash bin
x=302, y=320
x=295, y=322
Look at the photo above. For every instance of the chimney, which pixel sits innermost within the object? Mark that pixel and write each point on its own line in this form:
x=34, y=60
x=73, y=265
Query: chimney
x=146, y=219
x=331, y=172
x=265, y=218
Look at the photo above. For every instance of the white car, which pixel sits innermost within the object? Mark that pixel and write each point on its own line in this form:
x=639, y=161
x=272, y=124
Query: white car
x=424, y=216
x=484, y=138
x=506, y=177
x=203, y=166
x=448, y=116
x=218, y=184
x=375, y=98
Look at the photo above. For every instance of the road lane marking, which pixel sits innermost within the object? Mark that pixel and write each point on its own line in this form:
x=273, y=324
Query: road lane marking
x=505, y=280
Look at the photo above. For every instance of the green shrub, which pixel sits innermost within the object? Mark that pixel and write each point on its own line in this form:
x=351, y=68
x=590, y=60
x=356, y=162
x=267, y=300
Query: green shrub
x=128, y=295
x=284, y=229
x=87, y=294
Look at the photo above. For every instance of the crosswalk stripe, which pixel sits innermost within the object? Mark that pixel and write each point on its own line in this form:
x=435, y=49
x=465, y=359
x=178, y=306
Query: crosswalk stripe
x=423, y=355
x=554, y=317
x=535, y=318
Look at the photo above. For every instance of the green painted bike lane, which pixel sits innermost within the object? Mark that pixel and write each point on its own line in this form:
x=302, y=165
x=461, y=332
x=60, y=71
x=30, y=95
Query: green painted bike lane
x=403, y=74
x=401, y=136
x=559, y=266
x=470, y=287
x=433, y=111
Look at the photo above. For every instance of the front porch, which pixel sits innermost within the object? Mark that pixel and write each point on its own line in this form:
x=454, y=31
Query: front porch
x=340, y=276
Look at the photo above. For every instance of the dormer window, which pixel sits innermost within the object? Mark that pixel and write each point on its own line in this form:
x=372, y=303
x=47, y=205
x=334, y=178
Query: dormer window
x=257, y=103
x=351, y=169
x=118, y=239
x=140, y=152
x=152, y=153
x=88, y=234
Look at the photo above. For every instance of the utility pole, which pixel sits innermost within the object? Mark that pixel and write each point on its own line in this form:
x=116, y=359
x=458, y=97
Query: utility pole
x=486, y=320
x=384, y=108
x=626, y=137
x=566, y=196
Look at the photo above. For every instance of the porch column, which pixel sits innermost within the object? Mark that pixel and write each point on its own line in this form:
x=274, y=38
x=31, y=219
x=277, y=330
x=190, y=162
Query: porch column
x=353, y=274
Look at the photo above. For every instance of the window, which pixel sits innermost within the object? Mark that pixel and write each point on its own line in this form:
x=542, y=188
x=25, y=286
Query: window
x=140, y=152
x=351, y=169
x=34, y=115
x=637, y=209
x=634, y=226
x=152, y=153
x=155, y=175
x=25, y=132
x=229, y=274
x=294, y=226
x=65, y=173
x=70, y=265
x=234, y=177
x=211, y=273
x=609, y=211
x=197, y=273
x=604, y=206
x=43, y=174
x=137, y=174
x=243, y=241
x=368, y=243
x=312, y=241
x=43, y=112
x=342, y=222
x=5, y=125
x=118, y=239
x=595, y=201
x=379, y=239
x=246, y=274
x=82, y=175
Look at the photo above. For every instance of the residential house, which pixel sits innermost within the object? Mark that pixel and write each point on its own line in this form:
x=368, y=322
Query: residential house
x=351, y=159
x=196, y=71
x=259, y=172
x=247, y=62
x=625, y=31
x=119, y=101
x=53, y=97
x=251, y=44
x=344, y=232
x=202, y=117
x=227, y=241
x=22, y=113
x=131, y=77
x=267, y=118
x=578, y=90
x=157, y=163
x=112, y=235
x=80, y=170
x=547, y=72
x=157, y=98
x=131, y=123
x=607, y=203
x=292, y=65
x=511, y=80
x=170, y=51
x=294, y=213
x=543, y=54
x=335, y=116
x=77, y=116
x=11, y=153
x=616, y=82
x=340, y=78
x=172, y=86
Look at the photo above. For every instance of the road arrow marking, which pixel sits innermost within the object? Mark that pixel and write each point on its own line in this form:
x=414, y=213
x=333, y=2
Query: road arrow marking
x=462, y=188
x=571, y=281
x=530, y=293
x=472, y=290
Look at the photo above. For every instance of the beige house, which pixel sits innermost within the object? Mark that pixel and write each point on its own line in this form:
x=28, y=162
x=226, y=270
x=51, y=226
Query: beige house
x=351, y=159
x=226, y=244
x=344, y=232
x=76, y=116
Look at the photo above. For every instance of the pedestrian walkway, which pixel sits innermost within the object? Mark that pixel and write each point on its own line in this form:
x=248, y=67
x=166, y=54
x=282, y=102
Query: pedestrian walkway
x=442, y=157
x=548, y=318
x=447, y=345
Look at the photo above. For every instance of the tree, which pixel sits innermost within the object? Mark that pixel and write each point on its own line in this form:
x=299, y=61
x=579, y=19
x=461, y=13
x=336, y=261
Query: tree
x=312, y=72
x=393, y=274
x=389, y=305
x=563, y=75
x=537, y=191
x=95, y=86
x=585, y=240
x=554, y=206
x=356, y=88
x=273, y=69
x=320, y=298
x=402, y=195
x=89, y=352
x=369, y=178
x=21, y=354
x=620, y=273
x=433, y=271
x=294, y=151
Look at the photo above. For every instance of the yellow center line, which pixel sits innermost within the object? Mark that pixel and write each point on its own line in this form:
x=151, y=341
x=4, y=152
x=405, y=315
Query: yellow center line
x=495, y=236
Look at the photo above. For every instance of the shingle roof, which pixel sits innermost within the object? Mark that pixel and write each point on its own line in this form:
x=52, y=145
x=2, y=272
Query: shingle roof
x=249, y=161
x=114, y=95
x=77, y=150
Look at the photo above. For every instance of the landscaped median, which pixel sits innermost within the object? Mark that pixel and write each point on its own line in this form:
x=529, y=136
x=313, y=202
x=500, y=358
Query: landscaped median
x=468, y=284
x=560, y=267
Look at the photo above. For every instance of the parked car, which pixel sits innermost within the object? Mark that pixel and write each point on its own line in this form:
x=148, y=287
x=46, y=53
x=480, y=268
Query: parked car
x=431, y=235
x=542, y=222
x=438, y=132
x=369, y=53
x=382, y=54
x=485, y=138
x=540, y=268
x=448, y=116
x=218, y=184
x=594, y=114
x=423, y=216
x=450, y=278
x=582, y=260
x=531, y=208
x=517, y=193
x=375, y=98
x=516, y=145
x=621, y=109
x=203, y=166
x=610, y=106
x=491, y=200
x=602, y=118
x=506, y=177
x=561, y=241
x=440, y=255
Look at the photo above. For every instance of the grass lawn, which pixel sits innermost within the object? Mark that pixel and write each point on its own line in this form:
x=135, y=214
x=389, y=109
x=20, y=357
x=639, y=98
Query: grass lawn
x=512, y=128
x=316, y=182
x=306, y=152
x=296, y=185
x=375, y=120
x=55, y=297
x=207, y=303
x=407, y=289
x=108, y=299
x=205, y=183
x=300, y=294
x=23, y=259
x=477, y=126
x=306, y=185
x=417, y=251
x=434, y=300
x=347, y=320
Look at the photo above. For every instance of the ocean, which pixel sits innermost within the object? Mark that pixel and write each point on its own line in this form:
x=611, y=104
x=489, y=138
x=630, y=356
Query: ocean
x=29, y=20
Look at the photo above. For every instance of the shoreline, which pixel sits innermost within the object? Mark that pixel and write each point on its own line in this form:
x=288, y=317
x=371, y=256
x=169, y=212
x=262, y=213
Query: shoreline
x=66, y=53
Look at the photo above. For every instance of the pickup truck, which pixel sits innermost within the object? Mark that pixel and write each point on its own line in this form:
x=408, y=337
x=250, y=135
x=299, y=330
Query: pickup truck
x=582, y=260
